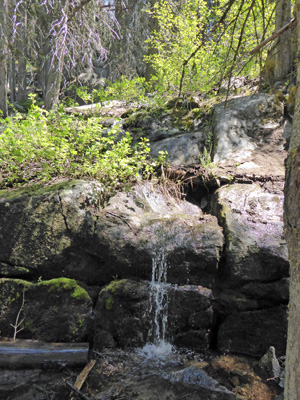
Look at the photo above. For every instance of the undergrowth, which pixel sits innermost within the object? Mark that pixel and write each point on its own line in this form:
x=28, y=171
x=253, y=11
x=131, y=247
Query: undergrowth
x=43, y=145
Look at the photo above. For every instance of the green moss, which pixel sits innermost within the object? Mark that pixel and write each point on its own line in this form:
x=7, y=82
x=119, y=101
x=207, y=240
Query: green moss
x=109, y=303
x=114, y=285
x=36, y=190
x=62, y=284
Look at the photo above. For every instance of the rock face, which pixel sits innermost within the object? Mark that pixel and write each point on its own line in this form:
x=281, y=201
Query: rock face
x=252, y=221
x=86, y=263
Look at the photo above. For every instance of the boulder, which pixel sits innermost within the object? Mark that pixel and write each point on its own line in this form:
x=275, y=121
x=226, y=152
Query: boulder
x=125, y=318
x=256, y=251
x=62, y=230
x=184, y=149
x=138, y=225
x=248, y=132
x=252, y=332
x=58, y=310
x=44, y=230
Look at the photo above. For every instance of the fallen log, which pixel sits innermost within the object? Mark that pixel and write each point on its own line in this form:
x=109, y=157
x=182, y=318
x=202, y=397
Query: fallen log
x=24, y=353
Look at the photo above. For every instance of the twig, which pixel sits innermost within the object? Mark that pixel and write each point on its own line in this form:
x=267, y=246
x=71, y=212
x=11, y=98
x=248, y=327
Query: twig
x=17, y=323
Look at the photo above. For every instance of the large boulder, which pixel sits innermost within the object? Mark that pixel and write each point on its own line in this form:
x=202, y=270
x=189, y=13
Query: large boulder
x=58, y=310
x=125, y=315
x=63, y=231
x=256, y=251
x=44, y=230
x=248, y=133
x=137, y=226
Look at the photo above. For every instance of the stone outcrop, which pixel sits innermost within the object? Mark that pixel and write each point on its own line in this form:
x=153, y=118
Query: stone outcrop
x=227, y=267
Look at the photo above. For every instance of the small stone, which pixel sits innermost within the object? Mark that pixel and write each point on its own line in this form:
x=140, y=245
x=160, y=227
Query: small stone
x=270, y=364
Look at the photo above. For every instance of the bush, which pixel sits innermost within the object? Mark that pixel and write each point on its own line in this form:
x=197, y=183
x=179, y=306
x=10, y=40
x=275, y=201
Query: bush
x=44, y=145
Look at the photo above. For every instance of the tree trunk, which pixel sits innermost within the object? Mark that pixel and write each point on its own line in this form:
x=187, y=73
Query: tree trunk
x=283, y=54
x=292, y=234
x=3, y=58
x=56, y=60
x=22, y=58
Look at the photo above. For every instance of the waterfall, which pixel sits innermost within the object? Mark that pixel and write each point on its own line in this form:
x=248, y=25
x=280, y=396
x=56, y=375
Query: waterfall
x=158, y=298
x=157, y=345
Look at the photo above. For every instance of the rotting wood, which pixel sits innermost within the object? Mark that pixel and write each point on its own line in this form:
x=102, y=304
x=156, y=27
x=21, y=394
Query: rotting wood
x=84, y=374
x=23, y=353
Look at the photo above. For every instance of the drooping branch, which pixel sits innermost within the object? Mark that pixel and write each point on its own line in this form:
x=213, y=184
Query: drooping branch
x=273, y=37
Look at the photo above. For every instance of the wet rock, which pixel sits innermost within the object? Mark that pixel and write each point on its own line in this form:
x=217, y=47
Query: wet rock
x=251, y=332
x=53, y=311
x=197, y=377
x=137, y=226
x=123, y=316
x=254, y=244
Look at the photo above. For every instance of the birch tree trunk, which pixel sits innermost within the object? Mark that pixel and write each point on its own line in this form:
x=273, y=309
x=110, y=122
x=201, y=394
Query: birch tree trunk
x=292, y=234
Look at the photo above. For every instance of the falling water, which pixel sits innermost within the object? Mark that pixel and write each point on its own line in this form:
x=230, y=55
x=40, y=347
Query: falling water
x=159, y=297
x=158, y=308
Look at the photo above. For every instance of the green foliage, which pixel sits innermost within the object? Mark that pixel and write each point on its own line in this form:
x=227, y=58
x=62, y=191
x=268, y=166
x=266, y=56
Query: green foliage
x=188, y=29
x=44, y=145
x=124, y=89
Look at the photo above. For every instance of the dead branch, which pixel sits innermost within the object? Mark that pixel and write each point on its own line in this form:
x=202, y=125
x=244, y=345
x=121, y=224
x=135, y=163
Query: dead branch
x=274, y=36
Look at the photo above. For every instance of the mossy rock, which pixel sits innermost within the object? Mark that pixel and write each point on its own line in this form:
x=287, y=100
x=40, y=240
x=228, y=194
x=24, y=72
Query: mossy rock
x=58, y=310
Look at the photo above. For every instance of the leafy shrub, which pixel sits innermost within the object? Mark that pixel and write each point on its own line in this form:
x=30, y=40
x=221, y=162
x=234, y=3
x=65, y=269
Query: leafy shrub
x=44, y=145
x=124, y=89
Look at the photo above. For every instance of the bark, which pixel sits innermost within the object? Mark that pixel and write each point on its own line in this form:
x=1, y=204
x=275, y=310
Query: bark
x=3, y=58
x=22, y=58
x=283, y=54
x=57, y=55
x=292, y=234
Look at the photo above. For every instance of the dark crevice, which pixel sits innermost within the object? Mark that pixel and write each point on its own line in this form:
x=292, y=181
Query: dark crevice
x=62, y=212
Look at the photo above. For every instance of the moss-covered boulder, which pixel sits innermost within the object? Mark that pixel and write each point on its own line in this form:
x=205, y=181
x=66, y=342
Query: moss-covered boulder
x=44, y=230
x=58, y=310
x=125, y=317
